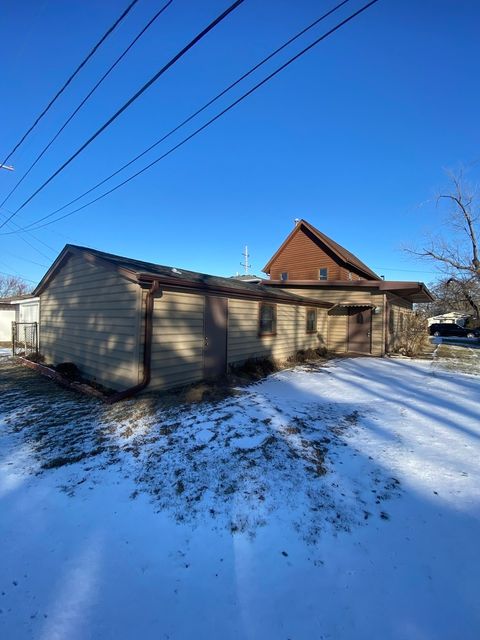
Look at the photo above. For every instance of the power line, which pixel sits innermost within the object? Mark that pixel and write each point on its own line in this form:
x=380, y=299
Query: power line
x=13, y=224
x=38, y=264
x=131, y=100
x=17, y=275
x=197, y=112
x=35, y=225
x=77, y=70
x=404, y=270
x=87, y=97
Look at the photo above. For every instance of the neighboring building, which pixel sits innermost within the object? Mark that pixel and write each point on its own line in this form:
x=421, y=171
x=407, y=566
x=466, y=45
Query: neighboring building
x=128, y=323
x=7, y=316
x=450, y=318
x=124, y=322
x=247, y=277
x=368, y=312
x=24, y=308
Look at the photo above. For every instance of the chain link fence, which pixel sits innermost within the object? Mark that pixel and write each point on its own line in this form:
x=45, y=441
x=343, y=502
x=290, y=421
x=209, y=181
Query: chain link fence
x=24, y=338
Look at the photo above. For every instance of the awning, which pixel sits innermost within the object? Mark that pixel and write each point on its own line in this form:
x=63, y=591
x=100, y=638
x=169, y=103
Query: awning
x=363, y=305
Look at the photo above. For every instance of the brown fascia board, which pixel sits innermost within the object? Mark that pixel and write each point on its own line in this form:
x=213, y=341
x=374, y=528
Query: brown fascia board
x=145, y=279
x=403, y=289
x=323, y=284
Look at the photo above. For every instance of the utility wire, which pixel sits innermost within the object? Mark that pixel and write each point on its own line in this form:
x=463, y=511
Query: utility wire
x=15, y=225
x=196, y=113
x=39, y=264
x=35, y=225
x=17, y=275
x=130, y=101
x=87, y=97
x=77, y=70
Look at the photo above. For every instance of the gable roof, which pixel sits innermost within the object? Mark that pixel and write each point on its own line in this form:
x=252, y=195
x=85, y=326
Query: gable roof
x=342, y=254
x=144, y=273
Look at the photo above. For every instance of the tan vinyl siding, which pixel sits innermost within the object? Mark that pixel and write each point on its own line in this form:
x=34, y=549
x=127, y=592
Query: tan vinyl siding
x=291, y=336
x=337, y=332
x=396, y=308
x=89, y=315
x=178, y=340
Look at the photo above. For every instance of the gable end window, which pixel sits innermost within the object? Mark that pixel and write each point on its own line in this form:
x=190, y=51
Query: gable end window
x=311, y=326
x=267, y=319
x=284, y=275
x=323, y=274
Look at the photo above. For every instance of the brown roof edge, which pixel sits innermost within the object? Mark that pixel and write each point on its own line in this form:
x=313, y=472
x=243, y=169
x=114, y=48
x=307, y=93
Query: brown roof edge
x=340, y=252
x=401, y=288
x=133, y=275
x=324, y=284
x=144, y=279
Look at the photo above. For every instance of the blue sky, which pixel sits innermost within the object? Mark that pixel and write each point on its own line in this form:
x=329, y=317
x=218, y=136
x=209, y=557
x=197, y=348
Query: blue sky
x=354, y=137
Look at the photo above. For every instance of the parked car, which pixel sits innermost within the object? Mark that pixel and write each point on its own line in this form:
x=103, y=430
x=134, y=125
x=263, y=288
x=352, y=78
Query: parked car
x=454, y=330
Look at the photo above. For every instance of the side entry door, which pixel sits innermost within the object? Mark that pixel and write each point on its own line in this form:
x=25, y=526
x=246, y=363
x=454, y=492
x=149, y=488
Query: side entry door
x=215, y=350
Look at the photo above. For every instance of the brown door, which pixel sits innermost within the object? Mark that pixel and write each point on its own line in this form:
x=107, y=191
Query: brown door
x=215, y=352
x=359, y=330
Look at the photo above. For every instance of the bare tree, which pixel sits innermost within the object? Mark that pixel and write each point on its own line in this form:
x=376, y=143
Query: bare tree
x=13, y=286
x=457, y=255
x=454, y=294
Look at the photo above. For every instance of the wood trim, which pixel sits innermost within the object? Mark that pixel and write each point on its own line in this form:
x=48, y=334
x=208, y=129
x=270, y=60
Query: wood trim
x=350, y=315
x=315, y=330
x=263, y=334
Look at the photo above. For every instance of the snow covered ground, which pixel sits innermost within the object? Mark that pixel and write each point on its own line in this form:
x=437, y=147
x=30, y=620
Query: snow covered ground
x=338, y=502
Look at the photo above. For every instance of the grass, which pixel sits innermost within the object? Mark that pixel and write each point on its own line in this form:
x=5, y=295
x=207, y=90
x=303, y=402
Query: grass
x=461, y=358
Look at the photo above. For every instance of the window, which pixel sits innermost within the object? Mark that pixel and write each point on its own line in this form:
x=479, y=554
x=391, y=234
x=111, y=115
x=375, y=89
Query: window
x=267, y=320
x=401, y=322
x=323, y=273
x=284, y=275
x=311, y=321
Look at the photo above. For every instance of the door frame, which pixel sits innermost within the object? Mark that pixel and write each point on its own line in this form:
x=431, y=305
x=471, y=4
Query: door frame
x=351, y=314
x=217, y=342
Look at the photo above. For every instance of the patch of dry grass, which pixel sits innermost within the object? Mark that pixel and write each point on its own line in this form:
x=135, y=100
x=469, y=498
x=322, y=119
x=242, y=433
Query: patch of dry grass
x=464, y=359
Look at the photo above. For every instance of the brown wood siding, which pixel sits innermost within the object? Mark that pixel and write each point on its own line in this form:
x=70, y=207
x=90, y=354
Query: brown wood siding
x=89, y=315
x=302, y=258
x=337, y=331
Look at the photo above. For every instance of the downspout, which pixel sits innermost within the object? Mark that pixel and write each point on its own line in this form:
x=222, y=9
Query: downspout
x=147, y=349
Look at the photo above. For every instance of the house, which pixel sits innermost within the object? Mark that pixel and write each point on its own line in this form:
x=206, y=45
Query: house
x=450, y=318
x=27, y=307
x=368, y=313
x=7, y=316
x=127, y=323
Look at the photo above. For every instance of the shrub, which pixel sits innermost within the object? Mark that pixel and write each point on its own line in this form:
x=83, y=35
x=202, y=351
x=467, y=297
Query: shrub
x=412, y=340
